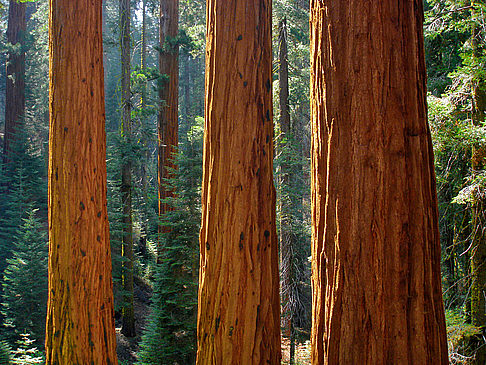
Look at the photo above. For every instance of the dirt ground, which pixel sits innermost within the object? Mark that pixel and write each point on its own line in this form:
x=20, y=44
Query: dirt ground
x=128, y=347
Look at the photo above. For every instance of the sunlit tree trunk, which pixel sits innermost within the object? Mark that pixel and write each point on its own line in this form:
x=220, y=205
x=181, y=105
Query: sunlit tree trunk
x=80, y=323
x=376, y=253
x=128, y=315
x=238, y=312
x=168, y=118
x=15, y=87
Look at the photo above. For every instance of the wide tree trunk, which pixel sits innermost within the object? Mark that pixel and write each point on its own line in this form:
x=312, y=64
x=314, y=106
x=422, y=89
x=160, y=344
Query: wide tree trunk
x=80, y=323
x=168, y=118
x=376, y=252
x=128, y=314
x=15, y=87
x=238, y=312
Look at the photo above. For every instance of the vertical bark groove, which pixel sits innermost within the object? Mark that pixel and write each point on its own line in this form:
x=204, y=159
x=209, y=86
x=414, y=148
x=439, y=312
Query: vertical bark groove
x=238, y=312
x=376, y=253
x=80, y=325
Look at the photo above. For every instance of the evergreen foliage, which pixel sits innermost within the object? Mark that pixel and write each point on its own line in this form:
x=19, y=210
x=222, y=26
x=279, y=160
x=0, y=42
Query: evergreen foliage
x=22, y=188
x=4, y=353
x=299, y=293
x=25, y=281
x=292, y=170
x=21, y=184
x=171, y=334
x=26, y=352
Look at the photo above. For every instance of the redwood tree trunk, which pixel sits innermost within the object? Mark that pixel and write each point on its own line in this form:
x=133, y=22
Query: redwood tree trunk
x=128, y=315
x=15, y=88
x=80, y=323
x=168, y=118
x=238, y=312
x=376, y=253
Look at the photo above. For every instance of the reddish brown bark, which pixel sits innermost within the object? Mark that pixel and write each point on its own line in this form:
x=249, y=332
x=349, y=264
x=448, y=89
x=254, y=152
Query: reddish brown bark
x=168, y=118
x=15, y=87
x=376, y=252
x=239, y=309
x=80, y=323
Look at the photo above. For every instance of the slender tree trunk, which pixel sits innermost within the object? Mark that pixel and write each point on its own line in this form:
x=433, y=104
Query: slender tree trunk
x=238, y=312
x=376, y=252
x=478, y=212
x=146, y=138
x=287, y=238
x=283, y=79
x=80, y=323
x=15, y=88
x=128, y=315
x=168, y=119
x=143, y=56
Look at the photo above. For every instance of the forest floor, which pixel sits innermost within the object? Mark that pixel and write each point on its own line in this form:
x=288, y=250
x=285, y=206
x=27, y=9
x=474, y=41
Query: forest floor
x=302, y=352
x=127, y=348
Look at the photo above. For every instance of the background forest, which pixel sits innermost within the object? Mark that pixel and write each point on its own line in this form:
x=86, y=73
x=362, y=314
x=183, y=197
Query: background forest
x=156, y=312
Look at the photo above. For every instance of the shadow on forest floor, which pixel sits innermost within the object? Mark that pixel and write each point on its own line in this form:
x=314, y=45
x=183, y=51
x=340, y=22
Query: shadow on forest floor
x=127, y=348
x=302, y=352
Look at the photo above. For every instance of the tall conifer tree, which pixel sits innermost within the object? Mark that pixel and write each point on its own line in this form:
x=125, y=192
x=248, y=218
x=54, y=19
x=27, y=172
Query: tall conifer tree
x=80, y=321
x=15, y=88
x=238, y=311
x=376, y=251
x=168, y=117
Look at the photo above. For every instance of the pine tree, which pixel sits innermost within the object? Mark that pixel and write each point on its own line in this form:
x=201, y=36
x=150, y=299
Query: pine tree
x=21, y=185
x=171, y=335
x=25, y=281
x=128, y=314
x=27, y=353
x=4, y=353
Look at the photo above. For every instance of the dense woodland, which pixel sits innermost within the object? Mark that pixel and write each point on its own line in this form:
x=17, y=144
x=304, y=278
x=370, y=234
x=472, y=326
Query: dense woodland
x=175, y=174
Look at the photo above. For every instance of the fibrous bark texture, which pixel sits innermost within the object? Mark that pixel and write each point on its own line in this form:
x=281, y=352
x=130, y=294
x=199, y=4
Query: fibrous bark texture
x=15, y=87
x=80, y=323
x=238, y=312
x=376, y=253
x=168, y=118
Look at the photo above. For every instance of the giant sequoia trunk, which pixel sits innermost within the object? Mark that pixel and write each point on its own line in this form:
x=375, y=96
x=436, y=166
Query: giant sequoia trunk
x=15, y=88
x=128, y=315
x=80, y=324
x=238, y=312
x=168, y=122
x=376, y=252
